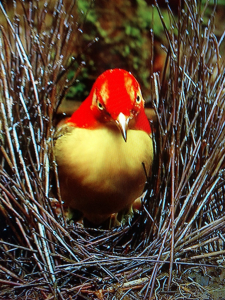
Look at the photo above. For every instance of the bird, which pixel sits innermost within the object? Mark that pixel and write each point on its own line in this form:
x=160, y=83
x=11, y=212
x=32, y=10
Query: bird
x=105, y=149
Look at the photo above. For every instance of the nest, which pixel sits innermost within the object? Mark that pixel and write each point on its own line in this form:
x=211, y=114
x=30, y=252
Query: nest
x=181, y=225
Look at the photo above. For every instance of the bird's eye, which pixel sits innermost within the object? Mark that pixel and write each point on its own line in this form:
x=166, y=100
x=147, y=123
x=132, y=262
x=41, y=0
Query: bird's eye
x=100, y=106
x=138, y=99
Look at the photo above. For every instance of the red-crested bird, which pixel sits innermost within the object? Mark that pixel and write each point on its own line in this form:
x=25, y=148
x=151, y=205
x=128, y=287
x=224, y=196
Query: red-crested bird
x=101, y=150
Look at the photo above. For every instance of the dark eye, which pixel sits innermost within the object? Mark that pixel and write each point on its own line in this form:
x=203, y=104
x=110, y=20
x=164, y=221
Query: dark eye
x=138, y=99
x=100, y=106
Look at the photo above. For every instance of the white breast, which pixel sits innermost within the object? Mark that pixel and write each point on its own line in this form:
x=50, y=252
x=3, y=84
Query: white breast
x=99, y=172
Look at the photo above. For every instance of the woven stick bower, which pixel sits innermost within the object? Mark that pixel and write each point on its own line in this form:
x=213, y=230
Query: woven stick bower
x=182, y=221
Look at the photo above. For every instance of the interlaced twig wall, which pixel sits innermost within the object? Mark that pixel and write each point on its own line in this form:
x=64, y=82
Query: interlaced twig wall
x=182, y=221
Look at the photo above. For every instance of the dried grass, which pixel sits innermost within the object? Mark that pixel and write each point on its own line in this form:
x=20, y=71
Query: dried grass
x=182, y=222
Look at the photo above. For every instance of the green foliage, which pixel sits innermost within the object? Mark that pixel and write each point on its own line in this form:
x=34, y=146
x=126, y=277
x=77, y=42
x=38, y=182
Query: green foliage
x=213, y=2
x=123, y=29
x=78, y=91
x=124, y=39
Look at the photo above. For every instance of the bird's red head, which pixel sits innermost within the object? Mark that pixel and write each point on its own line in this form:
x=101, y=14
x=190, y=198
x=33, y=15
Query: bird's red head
x=115, y=98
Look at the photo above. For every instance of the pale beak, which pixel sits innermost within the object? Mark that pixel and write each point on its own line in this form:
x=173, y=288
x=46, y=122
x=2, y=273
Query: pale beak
x=122, y=123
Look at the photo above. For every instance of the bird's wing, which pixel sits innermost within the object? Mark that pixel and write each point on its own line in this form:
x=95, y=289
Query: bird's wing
x=62, y=130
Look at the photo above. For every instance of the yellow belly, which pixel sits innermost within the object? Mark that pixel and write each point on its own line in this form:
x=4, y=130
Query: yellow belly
x=99, y=172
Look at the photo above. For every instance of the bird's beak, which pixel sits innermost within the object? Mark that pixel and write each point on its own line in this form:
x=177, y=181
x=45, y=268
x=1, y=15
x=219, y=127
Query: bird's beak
x=122, y=123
